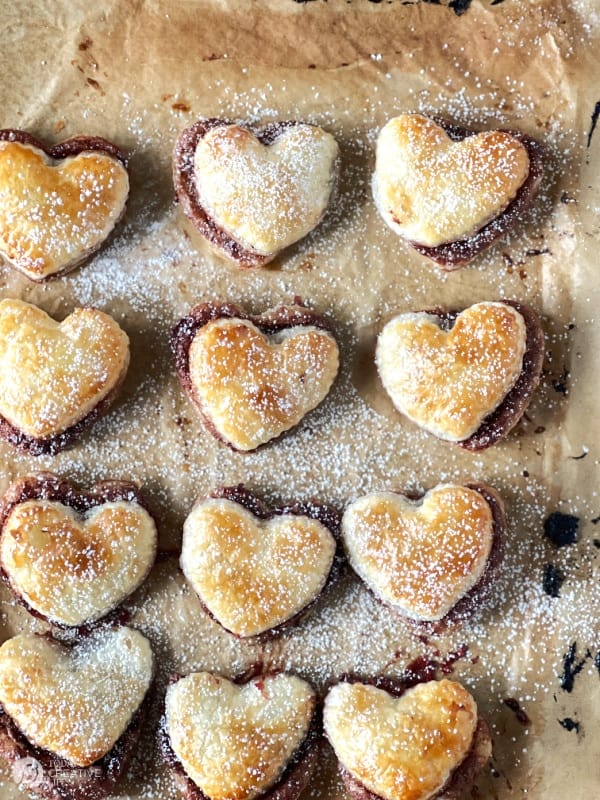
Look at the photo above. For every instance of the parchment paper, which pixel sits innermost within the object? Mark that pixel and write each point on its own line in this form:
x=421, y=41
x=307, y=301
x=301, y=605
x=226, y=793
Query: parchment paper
x=138, y=73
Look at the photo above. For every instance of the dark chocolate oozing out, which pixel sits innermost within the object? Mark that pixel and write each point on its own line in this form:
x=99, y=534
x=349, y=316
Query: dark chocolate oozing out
x=54, y=778
x=51, y=445
x=186, y=191
x=48, y=486
x=325, y=514
x=66, y=149
x=453, y=255
x=504, y=418
x=483, y=589
x=272, y=321
x=292, y=782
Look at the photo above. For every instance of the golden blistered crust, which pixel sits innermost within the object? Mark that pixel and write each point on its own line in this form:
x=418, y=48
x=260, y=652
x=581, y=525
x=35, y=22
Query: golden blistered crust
x=451, y=191
x=420, y=557
x=55, y=374
x=75, y=702
x=235, y=742
x=253, y=192
x=254, y=378
x=72, y=557
x=281, y=560
x=481, y=358
x=401, y=748
x=59, y=203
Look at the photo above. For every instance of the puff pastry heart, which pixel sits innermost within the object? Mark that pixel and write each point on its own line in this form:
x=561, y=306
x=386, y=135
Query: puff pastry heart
x=253, y=378
x=239, y=741
x=73, y=557
x=423, y=557
x=410, y=747
x=465, y=377
x=58, y=203
x=56, y=376
x=450, y=191
x=283, y=559
x=75, y=702
x=252, y=193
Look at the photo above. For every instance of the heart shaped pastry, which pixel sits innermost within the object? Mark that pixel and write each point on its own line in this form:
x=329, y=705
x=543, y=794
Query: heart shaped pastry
x=465, y=377
x=254, y=568
x=56, y=377
x=58, y=203
x=426, y=743
x=75, y=702
x=239, y=742
x=450, y=191
x=422, y=557
x=73, y=557
x=253, y=378
x=253, y=193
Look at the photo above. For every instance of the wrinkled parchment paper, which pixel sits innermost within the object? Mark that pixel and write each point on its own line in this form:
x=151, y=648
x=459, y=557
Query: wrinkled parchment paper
x=139, y=72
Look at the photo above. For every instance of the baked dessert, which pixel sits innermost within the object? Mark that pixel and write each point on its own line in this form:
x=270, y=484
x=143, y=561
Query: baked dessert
x=58, y=203
x=72, y=557
x=432, y=559
x=75, y=713
x=284, y=559
x=468, y=376
x=254, y=377
x=420, y=743
x=56, y=378
x=258, y=738
x=251, y=192
x=449, y=191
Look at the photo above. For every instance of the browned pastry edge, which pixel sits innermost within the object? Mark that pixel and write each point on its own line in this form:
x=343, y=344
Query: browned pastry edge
x=481, y=592
x=187, y=194
x=461, y=778
x=59, y=779
x=272, y=321
x=504, y=418
x=453, y=255
x=51, y=445
x=48, y=486
x=325, y=514
x=294, y=779
x=69, y=147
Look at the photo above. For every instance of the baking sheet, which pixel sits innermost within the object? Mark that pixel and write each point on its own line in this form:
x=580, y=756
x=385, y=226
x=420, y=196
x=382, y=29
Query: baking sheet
x=138, y=73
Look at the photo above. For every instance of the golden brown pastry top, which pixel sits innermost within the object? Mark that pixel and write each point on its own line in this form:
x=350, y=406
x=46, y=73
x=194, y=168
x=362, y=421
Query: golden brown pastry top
x=75, y=702
x=53, y=213
x=432, y=190
x=265, y=196
x=448, y=382
x=252, y=386
x=422, y=556
x=53, y=374
x=254, y=574
x=401, y=748
x=75, y=568
x=234, y=742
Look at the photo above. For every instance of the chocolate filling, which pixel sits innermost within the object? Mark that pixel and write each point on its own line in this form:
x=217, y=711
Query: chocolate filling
x=452, y=255
x=51, y=445
x=292, y=782
x=47, y=486
x=54, y=778
x=272, y=321
x=70, y=147
x=324, y=514
x=504, y=418
x=184, y=180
